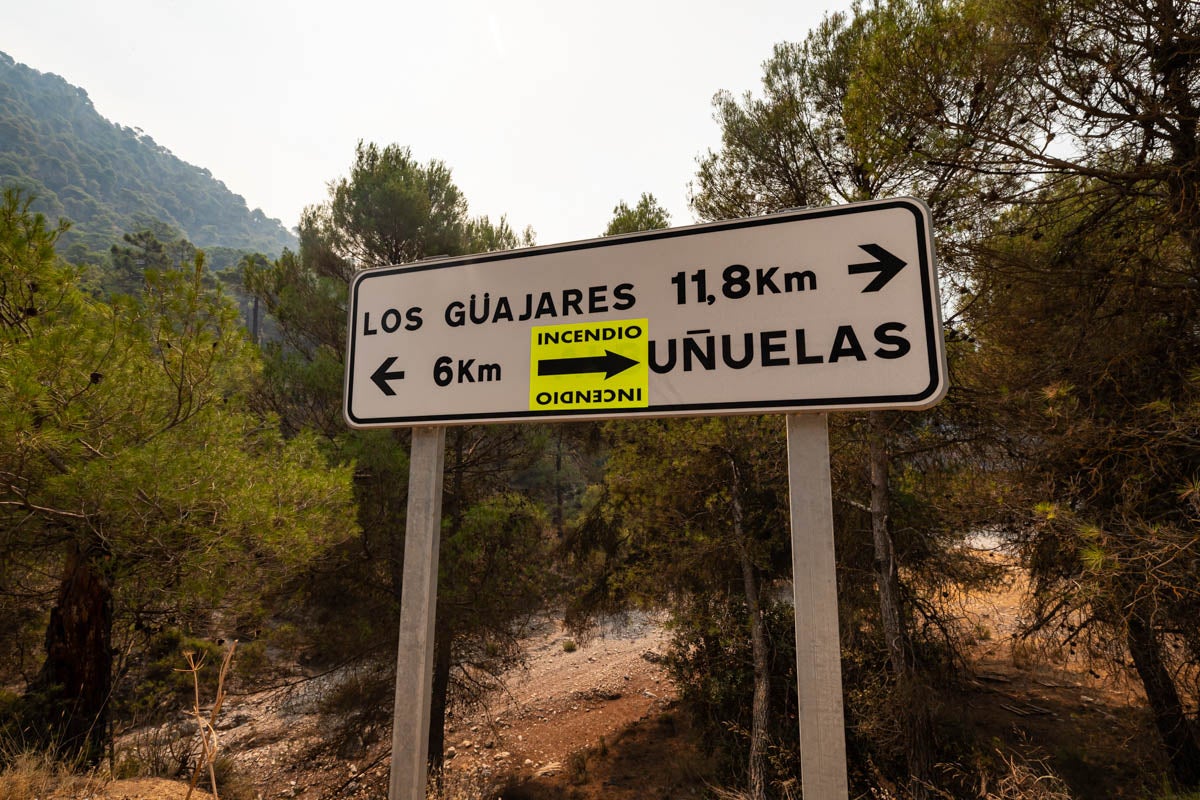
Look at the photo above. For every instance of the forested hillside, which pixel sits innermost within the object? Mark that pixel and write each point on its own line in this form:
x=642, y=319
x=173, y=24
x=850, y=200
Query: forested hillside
x=1017, y=567
x=110, y=180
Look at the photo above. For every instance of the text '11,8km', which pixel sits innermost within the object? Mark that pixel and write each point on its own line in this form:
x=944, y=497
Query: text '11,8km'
x=819, y=310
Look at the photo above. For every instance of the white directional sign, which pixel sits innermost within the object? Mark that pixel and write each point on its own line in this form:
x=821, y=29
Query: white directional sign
x=821, y=310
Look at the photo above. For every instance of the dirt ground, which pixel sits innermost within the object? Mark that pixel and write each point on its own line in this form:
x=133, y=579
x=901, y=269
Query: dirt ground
x=571, y=696
x=596, y=719
x=573, y=708
x=1056, y=705
x=591, y=719
x=151, y=789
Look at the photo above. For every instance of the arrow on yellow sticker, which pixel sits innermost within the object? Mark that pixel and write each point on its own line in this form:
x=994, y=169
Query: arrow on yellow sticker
x=589, y=366
x=610, y=364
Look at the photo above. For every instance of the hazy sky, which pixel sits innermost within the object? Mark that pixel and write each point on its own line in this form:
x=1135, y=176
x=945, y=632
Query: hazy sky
x=548, y=112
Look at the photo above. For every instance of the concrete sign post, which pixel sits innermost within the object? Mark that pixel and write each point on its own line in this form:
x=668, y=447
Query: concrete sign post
x=814, y=589
x=418, y=608
x=804, y=311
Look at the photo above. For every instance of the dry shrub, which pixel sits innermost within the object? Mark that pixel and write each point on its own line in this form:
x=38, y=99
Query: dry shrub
x=356, y=711
x=729, y=794
x=1020, y=779
x=235, y=785
x=162, y=751
x=577, y=767
x=460, y=785
x=721, y=793
x=1004, y=776
x=207, y=724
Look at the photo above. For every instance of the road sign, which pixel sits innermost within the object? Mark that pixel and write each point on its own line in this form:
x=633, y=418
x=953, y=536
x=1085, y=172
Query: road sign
x=814, y=310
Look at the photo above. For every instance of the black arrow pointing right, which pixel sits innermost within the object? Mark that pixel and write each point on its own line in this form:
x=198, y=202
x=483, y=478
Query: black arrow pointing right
x=381, y=376
x=610, y=364
x=886, y=264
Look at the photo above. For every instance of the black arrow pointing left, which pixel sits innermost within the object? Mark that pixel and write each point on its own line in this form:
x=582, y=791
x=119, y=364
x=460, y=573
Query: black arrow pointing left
x=885, y=263
x=381, y=376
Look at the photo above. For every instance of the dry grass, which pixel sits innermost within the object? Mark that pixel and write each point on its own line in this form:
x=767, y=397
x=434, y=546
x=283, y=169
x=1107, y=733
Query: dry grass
x=139, y=769
x=1019, y=779
x=39, y=775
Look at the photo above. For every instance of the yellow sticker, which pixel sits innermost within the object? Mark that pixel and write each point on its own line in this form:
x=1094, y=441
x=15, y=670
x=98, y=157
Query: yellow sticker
x=590, y=365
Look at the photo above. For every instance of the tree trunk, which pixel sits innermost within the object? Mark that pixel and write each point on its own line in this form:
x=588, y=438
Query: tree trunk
x=443, y=633
x=886, y=572
x=559, y=516
x=761, y=704
x=439, y=690
x=1175, y=61
x=77, y=674
x=917, y=723
x=1183, y=753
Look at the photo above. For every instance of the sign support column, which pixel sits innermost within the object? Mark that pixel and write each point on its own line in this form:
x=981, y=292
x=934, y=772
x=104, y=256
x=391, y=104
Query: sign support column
x=814, y=584
x=418, y=609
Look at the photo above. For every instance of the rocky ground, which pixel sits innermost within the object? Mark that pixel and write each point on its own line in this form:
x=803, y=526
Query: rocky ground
x=572, y=696
x=595, y=719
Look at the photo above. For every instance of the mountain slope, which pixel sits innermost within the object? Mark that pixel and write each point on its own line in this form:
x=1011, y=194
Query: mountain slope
x=110, y=180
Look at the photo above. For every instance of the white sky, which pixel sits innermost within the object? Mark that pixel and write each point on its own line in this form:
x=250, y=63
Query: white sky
x=548, y=112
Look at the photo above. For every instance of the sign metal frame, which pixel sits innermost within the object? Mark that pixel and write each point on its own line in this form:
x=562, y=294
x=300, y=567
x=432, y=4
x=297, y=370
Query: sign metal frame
x=818, y=673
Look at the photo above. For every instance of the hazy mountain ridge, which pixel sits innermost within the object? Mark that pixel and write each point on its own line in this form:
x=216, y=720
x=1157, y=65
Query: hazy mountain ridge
x=109, y=179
